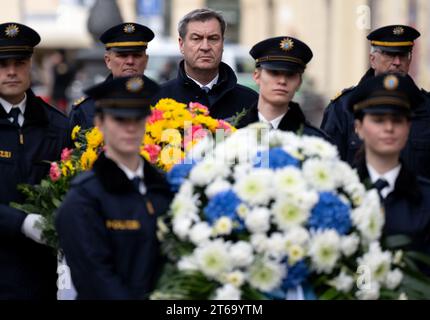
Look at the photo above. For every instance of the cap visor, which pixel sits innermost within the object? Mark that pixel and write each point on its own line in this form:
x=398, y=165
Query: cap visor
x=127, y=112
x=395, y=49
x=15, y=55
x=281, y=65
x=384, y=109
x=128, y=49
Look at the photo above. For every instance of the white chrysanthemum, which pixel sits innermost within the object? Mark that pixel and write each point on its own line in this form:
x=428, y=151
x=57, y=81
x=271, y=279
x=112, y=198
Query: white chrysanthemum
x=378, y=261
x=368, y=218
x=371, y=293
x=276, y=245
x=288, y=213
x=203, y=149
x=241, y=170
x=266, y=275
x=255, y=188
x=236, y=278
x=181, y=227
x=259, y=242
x=314, y=146
x=356, y=192
x=227, y=292
x=324, y=250
x=240, y=146
x=343, y=282
x=213, y=258
x=223, y=226
x=242, y=210
x=219, y=185
x=186, y=190
x=349, y=244
x=188, y=263
x=200, y=232
x=241, y=254
x=258, y=220
x=206, y=171
x=288, y=180
x=285, y=140
x=296, y=236
x=319, y=174
x=344, y=175
x=183, y=206
x=393, y=279
x=295, y=253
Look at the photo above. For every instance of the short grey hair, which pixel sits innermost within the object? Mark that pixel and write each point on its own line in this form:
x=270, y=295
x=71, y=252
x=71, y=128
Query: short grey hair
x=200, y=15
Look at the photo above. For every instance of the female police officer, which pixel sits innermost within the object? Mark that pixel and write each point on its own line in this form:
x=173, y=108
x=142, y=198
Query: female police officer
x=107, y=222
x=382, y=109
x=280, y=63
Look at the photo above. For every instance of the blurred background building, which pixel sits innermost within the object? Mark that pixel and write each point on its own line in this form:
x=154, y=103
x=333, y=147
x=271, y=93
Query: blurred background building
x=335, y=30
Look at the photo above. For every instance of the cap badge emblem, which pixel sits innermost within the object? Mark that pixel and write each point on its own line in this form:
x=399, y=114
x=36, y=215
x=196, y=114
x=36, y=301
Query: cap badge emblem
x=12, y=30
x=286, y=44
x=129, y=28
x=398, y=31
x=391, y=82
x=134, y=84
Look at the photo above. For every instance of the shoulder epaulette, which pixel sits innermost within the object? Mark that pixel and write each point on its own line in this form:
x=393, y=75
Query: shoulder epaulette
x=79, y=101
x=341, y=93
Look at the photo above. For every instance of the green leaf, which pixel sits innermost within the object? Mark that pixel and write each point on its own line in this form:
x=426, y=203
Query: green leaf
x=418, y=256
x=396, y=241
x=329, y=294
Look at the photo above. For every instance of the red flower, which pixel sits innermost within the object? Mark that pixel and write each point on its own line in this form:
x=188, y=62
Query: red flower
x=155, y=116
x=153, y=151
x=54, y=172
x=198, y=108
x=65, y=154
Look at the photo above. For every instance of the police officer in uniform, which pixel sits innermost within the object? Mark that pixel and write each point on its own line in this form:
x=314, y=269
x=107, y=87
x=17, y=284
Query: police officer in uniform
x=32, y=133
x=125, y=55
x=280, y=63
x=382, y=107
x=391, y=51
x=107, y=222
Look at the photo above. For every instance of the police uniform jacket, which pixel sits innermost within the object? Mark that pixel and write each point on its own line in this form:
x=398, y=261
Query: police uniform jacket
x=407, y=207
x=338, y=123
x=83, y=110
x=225, y=100
x=294, y=120
x=107, y=230
x=27, y=269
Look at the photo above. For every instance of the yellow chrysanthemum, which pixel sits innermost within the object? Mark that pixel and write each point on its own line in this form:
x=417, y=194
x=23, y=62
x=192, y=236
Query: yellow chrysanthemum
x=172, y=137
x=145, y=154
x=88, y=158
x=169, y=105
x=94, y=138
x=208, y=122
x=75, y=131
x=170, y=156
x=67, y=168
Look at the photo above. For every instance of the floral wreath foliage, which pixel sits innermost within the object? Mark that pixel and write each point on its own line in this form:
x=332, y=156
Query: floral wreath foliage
x=266, y=212
x=172, y=130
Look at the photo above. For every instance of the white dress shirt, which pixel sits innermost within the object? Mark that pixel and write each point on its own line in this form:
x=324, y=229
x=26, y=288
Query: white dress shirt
x=389, y=176
x=209, y=85
x=7, y=106
x=274, y=123
x=132, y=174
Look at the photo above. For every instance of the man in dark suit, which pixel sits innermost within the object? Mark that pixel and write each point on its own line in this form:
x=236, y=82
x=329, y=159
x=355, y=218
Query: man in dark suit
x=125, y=55
x=280, y=63
x=202, y=76
x=32, y=133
